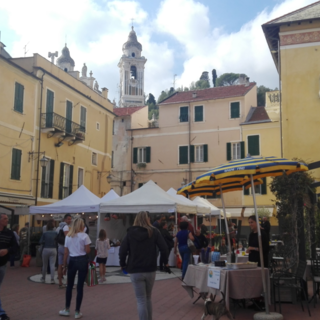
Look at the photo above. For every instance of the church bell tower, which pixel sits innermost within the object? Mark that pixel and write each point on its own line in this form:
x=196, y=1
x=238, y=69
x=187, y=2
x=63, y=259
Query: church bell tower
x=131, y=67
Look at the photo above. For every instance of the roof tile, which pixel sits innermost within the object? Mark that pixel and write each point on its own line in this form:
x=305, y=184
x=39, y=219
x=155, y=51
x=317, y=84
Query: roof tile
x=259, y=114
x=121, y=112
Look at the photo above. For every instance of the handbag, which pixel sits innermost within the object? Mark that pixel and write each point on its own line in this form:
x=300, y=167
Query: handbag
x=92, y=279
x=26, y=261
x=191, y=245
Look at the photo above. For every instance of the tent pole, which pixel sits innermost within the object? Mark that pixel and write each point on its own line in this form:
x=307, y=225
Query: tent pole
x=176, y=221
x=98, y=223
x=225, y=219
x=260, y=248
x=29, y=231
x=210, y=230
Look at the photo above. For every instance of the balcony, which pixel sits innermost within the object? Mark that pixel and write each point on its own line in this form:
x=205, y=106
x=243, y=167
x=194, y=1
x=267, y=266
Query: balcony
x=66, y=130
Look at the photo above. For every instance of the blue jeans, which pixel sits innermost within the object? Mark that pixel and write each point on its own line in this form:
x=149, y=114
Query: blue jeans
x=143, y=284
x=80, y=265
x=2, y=273
x=185, y=256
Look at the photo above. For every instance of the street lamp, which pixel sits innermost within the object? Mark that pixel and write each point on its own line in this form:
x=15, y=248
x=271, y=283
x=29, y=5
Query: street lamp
x=44, y=161
x=109, y=178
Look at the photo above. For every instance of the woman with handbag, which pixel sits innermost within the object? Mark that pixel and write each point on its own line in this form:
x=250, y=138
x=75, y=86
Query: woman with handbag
x=141, y=244
x=181, y=241
x=77, y=246
x=49, y=251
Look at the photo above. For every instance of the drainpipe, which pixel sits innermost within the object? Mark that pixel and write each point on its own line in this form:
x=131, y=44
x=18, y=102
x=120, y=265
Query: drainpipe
x=280, y=91
x=190, y=174
x=131, y=169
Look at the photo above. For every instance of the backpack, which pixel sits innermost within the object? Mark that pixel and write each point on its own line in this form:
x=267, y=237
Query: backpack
x=60, y=238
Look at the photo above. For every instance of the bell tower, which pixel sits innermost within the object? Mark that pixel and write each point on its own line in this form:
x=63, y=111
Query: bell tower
x=131, y=67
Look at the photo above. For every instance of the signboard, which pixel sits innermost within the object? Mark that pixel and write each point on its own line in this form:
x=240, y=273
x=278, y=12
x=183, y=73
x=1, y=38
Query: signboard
x=214, y=278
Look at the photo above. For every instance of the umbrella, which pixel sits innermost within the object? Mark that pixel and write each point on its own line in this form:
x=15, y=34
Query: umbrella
x=253, y=167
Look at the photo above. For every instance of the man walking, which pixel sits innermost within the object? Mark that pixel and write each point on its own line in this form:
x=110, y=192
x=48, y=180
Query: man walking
x=24, y=237
x=62, y=231
x=8, y=246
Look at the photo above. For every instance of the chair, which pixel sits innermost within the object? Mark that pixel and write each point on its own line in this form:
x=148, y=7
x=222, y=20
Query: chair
x=315, y=271
x=293, y=281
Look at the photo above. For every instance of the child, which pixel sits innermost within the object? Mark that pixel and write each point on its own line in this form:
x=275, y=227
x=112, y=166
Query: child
x=102, y=246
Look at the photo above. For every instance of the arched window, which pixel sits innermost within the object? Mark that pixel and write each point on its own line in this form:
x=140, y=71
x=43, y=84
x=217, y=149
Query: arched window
x=133, y=54
x=133, y=72
x=65, y=69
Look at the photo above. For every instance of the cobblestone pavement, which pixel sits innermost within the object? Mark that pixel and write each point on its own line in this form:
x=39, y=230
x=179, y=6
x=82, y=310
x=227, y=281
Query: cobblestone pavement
x=25, y=300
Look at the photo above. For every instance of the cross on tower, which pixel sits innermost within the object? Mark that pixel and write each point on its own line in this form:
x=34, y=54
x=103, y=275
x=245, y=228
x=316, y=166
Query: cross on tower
x=132, y=22
x=52, y=55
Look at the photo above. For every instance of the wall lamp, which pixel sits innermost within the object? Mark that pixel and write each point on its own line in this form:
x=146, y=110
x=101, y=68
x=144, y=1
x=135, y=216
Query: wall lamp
x=43, y=160
x=100, y=174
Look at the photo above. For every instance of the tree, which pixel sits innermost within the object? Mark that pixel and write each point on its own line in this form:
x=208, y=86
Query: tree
x=153, y=108
x=214, y=77
x=151, y=99
x=202, y=84
x=261, y=95
x=228, y=79
x=163, y=95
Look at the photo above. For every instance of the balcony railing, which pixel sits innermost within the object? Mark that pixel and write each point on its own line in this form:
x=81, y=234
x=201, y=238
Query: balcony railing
x=52, y=120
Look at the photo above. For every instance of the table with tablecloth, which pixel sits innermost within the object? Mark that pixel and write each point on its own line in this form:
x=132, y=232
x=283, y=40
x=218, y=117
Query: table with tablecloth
x=235, y=284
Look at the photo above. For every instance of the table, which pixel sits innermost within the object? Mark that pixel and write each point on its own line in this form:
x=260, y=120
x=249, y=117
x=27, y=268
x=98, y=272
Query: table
x=235, y=284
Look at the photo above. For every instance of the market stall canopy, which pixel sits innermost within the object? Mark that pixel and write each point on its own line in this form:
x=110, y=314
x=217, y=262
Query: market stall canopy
x=82, y=200
x=150, y=197
x=201, y=201
x=201, y=208
x=111, y=195
x=227, y=213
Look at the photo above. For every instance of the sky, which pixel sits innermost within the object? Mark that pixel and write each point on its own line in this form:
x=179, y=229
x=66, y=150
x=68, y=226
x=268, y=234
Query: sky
x=178, y=37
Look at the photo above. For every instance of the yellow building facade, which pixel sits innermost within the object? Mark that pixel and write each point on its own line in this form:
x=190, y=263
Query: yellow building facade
x=51, y=112
x=294, y=42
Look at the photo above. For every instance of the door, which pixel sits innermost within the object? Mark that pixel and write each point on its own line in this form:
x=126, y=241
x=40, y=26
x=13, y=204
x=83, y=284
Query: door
x=69, y=117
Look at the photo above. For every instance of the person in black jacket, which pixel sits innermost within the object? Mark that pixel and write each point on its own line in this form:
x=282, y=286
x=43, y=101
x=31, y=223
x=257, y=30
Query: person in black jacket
x=140, y=244
x=253, y=249
x=8, y=246
x=168, y=239
x=265, y=226
x=200, y=241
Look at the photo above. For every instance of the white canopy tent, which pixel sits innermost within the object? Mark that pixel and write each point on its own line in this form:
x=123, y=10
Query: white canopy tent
x=111, y=195
x=150, y=197
x=82, y=200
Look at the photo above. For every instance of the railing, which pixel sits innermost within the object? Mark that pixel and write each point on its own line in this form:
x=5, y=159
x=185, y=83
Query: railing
x=54, y=120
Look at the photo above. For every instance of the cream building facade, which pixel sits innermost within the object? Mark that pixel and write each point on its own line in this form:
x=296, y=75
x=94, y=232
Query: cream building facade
x=50, y=112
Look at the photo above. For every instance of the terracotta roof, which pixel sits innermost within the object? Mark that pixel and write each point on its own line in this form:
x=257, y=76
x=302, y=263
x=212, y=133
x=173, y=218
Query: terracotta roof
x=257, y=114
x=209, y=94
x=120, y=112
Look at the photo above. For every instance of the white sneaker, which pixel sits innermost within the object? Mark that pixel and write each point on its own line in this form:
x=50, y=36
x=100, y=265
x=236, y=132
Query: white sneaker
x=78, y=315
x=64, y=313
x=42, y=280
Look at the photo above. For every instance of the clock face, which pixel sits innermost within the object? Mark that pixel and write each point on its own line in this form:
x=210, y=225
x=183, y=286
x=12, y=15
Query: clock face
x=133, y=54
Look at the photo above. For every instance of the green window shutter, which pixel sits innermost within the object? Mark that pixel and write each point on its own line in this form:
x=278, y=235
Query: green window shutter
x=242, y=151
x=253, y=145
x=184, y=117
x=205, y=153
x=228, y=151
x=43, y=182
x=51, y=177
x=264, y=186
x=16, y=164
x=135, y=155
x=198, y=116
x=18, y=97
x=191, y=153
x=83, y=118
x=70, y=179
x=49, y=109
x=246, y=192
x=235, y=110
x=148, y=154
x=61, y=180
x=183, y=155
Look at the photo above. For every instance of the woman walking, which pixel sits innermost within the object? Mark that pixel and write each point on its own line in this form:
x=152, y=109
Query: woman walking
x=141, y=244
x=77, y=246
x=182, y=242
x=102, y=247
x=49, y=251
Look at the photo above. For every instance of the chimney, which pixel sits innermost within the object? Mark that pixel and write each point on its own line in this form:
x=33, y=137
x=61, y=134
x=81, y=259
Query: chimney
x=247, y=81
x=194, y=95
x=105, y=93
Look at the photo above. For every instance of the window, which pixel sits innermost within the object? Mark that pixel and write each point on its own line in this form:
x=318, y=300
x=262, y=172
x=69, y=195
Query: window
x=98, y=127
x=94, y=159
x=183, y=155
x=198, y=153
x=235, y=110
x=198, y=113
x=184, y=111
x=47, y=180
x=18, y=97
x=80, y=177
x=133, y=72
x=112, y=157
x=140, y=184
x=16, y=164
x=66, y=180
x=49, y=109
x=214, y=196
x=235, y=150
x=254, y=145
x=142, y=155
x=259, y=189
x=83, y=119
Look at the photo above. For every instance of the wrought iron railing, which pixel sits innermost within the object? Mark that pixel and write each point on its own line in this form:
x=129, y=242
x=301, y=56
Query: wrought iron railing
x=54, y=120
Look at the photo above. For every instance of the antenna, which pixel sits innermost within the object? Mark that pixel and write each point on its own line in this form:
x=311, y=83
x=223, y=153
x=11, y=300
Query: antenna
x=132, y=23
x=25, y=49
x=174, y=81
